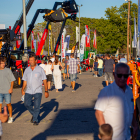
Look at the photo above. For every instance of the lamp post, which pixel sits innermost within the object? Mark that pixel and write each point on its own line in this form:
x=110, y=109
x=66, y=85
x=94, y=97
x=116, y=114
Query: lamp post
x=128, y=30
x=79, y=25
x=24, y=28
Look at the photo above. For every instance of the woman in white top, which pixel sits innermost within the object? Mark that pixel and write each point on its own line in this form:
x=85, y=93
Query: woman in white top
x=57, y=73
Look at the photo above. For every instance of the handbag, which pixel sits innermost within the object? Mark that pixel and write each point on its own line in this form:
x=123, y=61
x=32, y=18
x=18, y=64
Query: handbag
x=60, y=67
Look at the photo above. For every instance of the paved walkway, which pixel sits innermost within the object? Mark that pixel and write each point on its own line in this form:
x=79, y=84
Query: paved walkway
x=64, y=115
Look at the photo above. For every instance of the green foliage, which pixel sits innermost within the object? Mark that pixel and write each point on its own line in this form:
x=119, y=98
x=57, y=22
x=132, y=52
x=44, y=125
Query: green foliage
x=111, y=31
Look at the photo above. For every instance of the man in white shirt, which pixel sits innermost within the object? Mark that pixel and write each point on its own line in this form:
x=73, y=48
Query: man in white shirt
x=115, y=105
x=42, y=65
x=100, y=66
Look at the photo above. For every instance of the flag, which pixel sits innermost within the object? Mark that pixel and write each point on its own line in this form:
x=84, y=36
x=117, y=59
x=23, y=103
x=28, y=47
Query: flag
x=75, y=51
x=49, y=49
x=62, y=44
x=32, y=40
x=18, y=41
x=82, y=46
x=138, y=17
x=77, y=34
x=87, y=36
x=35, y=45
x=135, y=36
x=66, y=43
x=38, y=39
x=95, y=40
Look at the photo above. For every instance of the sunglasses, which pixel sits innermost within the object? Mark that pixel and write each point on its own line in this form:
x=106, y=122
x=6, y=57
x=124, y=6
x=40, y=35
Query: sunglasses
x=124, y=75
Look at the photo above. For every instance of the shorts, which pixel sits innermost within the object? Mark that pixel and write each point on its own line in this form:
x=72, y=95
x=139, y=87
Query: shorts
x=91, y=66
x=80, y=68
x=49, y=77
x=73, y=77
x=95, y=69
x=109, y=76
x=6, y=97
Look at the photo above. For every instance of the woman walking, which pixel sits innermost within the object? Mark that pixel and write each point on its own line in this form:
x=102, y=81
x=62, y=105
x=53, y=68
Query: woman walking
x=57, y=67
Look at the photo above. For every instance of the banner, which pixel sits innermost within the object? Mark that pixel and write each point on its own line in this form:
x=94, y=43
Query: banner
x=77, y=34
x=66, y=43
x=82, y=46
x=62, y=44
x=32, y=40
x=95, y=40
x=38, y=40
x=135, y=32
x=49, y=48
x=35, y=45
x=18, y=41
x=87, y=36
x=75, y=51
x=138, y=17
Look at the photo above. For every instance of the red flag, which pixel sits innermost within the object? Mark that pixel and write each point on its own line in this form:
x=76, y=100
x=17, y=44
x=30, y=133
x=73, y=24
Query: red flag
x=18, y=41
x=95, y=40
x=87, y=36
x=32, y=38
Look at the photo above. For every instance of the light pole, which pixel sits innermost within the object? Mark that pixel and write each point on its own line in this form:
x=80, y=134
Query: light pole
x=128, y=30
x=79, y=26
x=24, y=28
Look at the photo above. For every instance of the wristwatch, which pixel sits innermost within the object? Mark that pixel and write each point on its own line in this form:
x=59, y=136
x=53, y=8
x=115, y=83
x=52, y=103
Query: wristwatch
x=46, y=91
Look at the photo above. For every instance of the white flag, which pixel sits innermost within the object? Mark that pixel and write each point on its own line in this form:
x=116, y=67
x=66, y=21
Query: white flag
x=82, y=46
x=77, y=34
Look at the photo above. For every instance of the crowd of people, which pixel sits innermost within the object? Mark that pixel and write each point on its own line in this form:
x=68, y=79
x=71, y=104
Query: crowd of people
x=114, y=106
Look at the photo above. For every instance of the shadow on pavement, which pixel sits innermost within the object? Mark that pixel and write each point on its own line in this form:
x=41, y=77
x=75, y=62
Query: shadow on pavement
x=72, y=122
x=18, y=108
x=47, y=107
x=77, y=86
x=63, y=87
x=104, y=84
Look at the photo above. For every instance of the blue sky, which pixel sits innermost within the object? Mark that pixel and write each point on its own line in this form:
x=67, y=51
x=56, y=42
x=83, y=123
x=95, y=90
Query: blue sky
x=11, y=9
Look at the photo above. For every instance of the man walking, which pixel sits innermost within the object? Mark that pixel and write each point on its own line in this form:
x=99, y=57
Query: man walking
x=6, y=87
x=72, y=68
x=100, y=66
x=33, y=77
x=109, y=69
x=115, y=105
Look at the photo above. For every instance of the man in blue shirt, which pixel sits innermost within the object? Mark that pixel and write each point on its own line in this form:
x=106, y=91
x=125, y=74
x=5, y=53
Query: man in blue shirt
x=32, y=78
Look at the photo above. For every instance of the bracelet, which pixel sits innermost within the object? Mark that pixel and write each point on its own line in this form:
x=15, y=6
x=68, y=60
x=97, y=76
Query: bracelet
x=46, y=91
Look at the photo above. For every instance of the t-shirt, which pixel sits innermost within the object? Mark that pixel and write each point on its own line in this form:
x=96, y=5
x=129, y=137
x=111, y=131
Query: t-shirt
x=109, y=65
x=100, y=62
x=42, y=65
x=6, y=77
x=118, y=108
x=91, y=62
x=48, y=69
x=52, y=59
x=95, y=64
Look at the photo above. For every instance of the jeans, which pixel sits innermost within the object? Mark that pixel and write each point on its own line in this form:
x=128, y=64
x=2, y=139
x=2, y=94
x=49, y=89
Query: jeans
x=73, y=77
x=28, y=104
x=7, y=98
x=100, y=70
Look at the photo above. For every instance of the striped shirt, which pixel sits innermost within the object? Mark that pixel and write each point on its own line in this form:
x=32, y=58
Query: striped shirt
x=72, y=65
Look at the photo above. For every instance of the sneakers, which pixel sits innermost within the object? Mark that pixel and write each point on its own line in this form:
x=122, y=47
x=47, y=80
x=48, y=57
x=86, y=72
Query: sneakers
x=35, y=123
x=73, y=90
x=10, y=120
